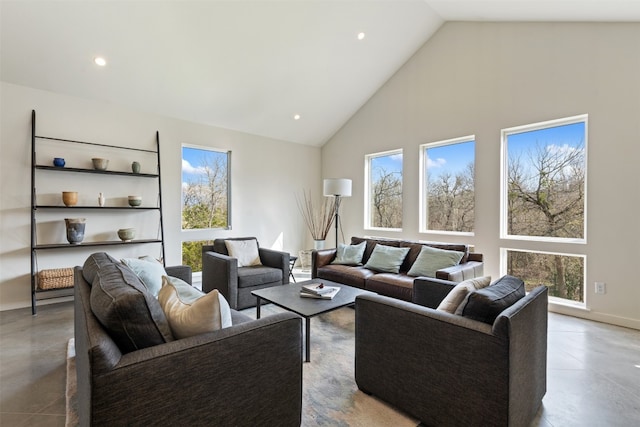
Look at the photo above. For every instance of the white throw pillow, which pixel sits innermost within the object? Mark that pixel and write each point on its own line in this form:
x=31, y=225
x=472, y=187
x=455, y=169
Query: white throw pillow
x=191, y=312
x=460, y=292
x=387, y=259
x=430, y=260
x=149, y=270
x=349, y=254
x=245, y=251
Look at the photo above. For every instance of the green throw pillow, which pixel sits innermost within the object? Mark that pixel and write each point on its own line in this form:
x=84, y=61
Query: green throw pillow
x=386, y=259
x=431, y=260
x=149, y=270
x=350, y=254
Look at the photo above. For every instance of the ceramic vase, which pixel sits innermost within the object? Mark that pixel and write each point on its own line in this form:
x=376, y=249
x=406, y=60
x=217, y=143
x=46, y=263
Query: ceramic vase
x=69, y=198
x=58, y=162
x=101, y=199
x=75, y=230
x=135, y=167
x=318, y=244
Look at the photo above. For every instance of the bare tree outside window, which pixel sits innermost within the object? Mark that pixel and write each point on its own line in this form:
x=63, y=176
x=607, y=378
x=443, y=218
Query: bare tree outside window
x=205, y=196
x=385, y=190
x=449, y=171
x=545, y=200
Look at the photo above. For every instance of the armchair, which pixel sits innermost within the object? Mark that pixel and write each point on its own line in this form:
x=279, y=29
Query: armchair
x=221, y=272
x=449, y=370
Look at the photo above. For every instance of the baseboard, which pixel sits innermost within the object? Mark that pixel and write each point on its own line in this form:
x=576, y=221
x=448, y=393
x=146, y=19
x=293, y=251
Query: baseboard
x=595, y=316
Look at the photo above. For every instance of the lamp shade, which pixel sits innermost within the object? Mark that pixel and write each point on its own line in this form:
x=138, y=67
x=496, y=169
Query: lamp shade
x=337, y=187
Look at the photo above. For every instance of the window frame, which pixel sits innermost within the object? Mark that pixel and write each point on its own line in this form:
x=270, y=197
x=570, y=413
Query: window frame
x=196, y=231
x=367, y=187
x=423, y=204
x=504, y=176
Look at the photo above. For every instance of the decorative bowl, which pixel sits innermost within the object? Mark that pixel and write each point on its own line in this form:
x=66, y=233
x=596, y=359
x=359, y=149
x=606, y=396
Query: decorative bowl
x=69, y=198
x=127, y=234
x=135, y=200
x=100, y=164
x=58, y=162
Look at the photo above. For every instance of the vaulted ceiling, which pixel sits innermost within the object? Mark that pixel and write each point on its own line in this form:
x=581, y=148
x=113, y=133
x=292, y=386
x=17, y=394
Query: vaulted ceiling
x=249, y=66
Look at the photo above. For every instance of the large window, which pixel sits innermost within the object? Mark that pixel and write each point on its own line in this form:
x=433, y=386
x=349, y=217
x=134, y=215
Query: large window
x=544, y=200
x=205, y=197
x=448, y=175
x=383, y=201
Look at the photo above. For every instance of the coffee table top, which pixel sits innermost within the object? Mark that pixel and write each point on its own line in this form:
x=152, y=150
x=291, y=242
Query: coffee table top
x=288, y=297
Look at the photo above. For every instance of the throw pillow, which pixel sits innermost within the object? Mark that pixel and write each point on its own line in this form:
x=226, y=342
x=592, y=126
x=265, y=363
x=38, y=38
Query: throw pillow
x=349, y=254
x=94, y=263
x=487, y=303
x=149, y=270
x=245, y=251
x=459, y=292
x=191, y=312
x=386, y=259
x=127, y=310
x=431, y=260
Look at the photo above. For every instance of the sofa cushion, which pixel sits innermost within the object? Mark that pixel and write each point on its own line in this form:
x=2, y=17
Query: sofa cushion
x=149, y=270
x=416, y=247
x=258, y=275
x=487, y=303
x=398, y=286
x=93, y=263
x=348, y=275
x=431, y=260
x=349, y=254
x=371, y=244
x=460, y=292
x=386, y=259
x=190, y=311
x=130, y=314
x=245, y=251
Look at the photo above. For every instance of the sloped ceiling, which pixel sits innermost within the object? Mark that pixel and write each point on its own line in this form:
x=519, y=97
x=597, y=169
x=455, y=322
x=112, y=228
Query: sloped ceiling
x=245, y=65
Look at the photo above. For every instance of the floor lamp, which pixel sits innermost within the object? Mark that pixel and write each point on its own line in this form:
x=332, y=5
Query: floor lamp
x=337, y=187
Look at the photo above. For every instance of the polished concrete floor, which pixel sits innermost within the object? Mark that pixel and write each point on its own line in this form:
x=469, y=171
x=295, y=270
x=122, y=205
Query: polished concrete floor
x=593, y=370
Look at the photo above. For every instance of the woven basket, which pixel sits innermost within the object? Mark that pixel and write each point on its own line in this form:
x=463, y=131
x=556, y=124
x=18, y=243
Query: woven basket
x=55, y=278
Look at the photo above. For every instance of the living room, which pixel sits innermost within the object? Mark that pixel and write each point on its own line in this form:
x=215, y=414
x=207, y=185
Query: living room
x=468, y=78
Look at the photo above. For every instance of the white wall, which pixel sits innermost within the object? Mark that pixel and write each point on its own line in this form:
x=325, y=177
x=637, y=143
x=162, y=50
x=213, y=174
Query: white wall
x=266, y=176
x=477, y=78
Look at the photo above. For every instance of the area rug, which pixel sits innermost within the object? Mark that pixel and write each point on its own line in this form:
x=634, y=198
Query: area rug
x=330, y=395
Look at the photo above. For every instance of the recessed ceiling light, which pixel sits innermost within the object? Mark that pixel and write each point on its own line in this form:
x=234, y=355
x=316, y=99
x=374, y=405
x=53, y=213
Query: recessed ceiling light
x=361, y=36
x=100, y=61
x=296, y=117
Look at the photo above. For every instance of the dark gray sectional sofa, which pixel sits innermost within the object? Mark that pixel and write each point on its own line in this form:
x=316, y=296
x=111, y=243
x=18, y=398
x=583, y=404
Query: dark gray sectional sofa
x=398, y=285
x=132, y=372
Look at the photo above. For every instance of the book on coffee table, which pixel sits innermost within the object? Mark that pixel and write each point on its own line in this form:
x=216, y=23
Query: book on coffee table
x=328, y=293
x=317, y=288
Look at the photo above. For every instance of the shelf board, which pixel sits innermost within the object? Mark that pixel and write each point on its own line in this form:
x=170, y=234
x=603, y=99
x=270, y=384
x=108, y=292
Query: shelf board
x=128, y=208
x=88, y=244
x=95, y=171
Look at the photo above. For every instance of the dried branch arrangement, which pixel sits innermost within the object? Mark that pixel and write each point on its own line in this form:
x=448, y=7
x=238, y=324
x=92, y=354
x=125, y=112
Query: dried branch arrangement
x=318, y=219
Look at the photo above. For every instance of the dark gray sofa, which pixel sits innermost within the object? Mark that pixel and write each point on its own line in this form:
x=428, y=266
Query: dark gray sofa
x=244, y=375
x=398, y=285
x=221, y=272
x=450, y=370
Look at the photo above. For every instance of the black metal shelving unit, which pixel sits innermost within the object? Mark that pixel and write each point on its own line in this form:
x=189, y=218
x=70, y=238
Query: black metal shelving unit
x=36, y=247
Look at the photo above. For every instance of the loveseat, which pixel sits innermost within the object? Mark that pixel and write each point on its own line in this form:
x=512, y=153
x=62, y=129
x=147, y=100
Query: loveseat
x=485, y=366
x=246, y=374
x=399, y=284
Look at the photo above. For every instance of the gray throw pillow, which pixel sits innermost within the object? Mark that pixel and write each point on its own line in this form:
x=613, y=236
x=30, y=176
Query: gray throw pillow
x=486, y=304
x=130, y=314
x=94, y=263
x=386, y=259
x=431, y=260
x=350, y=254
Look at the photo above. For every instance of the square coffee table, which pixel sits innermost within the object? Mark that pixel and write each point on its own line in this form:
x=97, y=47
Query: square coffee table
x=288, y=297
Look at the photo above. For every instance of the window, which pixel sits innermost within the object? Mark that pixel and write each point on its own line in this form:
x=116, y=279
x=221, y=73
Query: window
x=544, y=181
x=192, y=254
x=544, y=199
x=563, y=274
x=383, y=200
x=205, y=188
x=447, y=178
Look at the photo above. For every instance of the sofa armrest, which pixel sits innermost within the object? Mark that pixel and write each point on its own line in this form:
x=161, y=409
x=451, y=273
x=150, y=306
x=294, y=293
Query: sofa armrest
x=276, y=259
x=220, y=272
x=181, y=272
x=248, y=374
x=429, y=292
x=460, y=272
x=320, y=258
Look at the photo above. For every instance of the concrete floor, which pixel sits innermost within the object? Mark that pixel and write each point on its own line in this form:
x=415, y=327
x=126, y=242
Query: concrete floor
x=593, y=370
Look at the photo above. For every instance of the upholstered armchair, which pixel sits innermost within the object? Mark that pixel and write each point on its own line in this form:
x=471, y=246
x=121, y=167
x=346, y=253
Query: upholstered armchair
x=451, y=370
x=231, y=275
